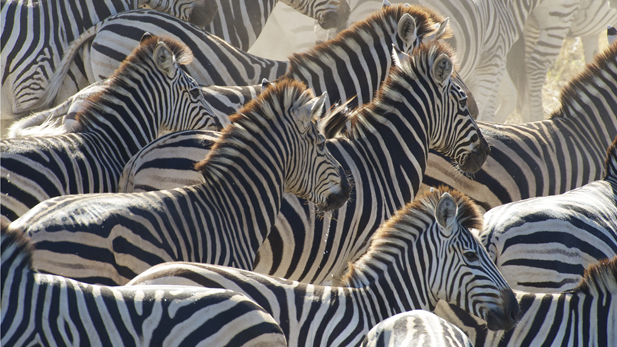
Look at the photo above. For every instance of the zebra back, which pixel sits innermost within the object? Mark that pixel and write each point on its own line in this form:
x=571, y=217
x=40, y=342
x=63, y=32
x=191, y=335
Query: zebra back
x=65, y=312
x=434, y=227
x=544, y=244
x=547, y=157
x=149, y=94
x=418, y=328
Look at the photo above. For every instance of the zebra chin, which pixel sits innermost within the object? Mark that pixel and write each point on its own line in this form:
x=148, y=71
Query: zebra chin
x=503, y=317
x=472, y=162
x=338, y=196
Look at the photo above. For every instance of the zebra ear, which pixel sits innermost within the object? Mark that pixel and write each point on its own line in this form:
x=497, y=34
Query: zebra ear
x=441, y=30
x=164, y=59
x=442, y=69
x=407, y=30
x=317, y=109
x=398, y=56
x=309, y=111
x=445, y=213
x=265, y=84
x=386, y=3
x=144, y=37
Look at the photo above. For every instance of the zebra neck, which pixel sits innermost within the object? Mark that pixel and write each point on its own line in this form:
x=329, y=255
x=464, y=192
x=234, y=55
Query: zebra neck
x=334, y=67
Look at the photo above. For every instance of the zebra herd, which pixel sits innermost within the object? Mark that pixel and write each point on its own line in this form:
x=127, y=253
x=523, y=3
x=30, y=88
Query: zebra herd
x=162, y=186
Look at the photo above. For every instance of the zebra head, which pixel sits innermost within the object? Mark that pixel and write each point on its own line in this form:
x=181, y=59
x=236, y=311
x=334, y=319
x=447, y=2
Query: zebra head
x=198, y=12
x=328, y=188
x=465, y=275
x=453, y=130
x=183, y=106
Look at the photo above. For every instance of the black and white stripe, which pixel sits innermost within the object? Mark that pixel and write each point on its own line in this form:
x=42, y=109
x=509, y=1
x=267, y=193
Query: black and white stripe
x=272, y=147
x=47, y=310
x=36, y=34
x=544, y=244
x=547, y=157
x=584, y=316
x=147, y=96
x=240, y=22
x=353, y=64
x=545, y=30
x=393, y=276
x=421, y=106
x=416, y=328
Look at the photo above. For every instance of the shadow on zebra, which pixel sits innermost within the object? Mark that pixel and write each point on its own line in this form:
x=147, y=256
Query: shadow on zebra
x=48, y=310
x=272, y=146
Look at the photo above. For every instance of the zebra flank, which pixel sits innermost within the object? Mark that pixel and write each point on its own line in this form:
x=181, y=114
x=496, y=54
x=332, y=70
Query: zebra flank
x=415, y=328
x=148, y=95
x=435, y=226
x=546, y=157
x=47, y=310
x=29, y=59
x=544, y=244
x=273, y=146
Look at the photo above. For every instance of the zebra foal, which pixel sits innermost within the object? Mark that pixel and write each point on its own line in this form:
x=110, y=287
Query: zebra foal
x=393, y=276
x=47, y=310
x=36, y=34
x=148, y=95
x=273, y=146
x=416, y=328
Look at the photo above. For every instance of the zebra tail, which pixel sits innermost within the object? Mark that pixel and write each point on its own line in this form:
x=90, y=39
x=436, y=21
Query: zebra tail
x=55, y=82
x=336, y=120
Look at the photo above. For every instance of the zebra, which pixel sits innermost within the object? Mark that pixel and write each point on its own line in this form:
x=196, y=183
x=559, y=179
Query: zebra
x=416, y=328
x=240, y=22
x=583, y=316
x=393, y=276
x=36, y=34
x=149, y=94
x=336, y=67
x=543, y=36
x=611, y=34
x=547, y=157
x=420, y=106
x=544, y=244
x=272, y=146
x=47, y=310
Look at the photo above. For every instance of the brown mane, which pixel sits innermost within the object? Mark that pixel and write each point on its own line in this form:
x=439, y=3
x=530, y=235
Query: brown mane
x=601, y=276
x=255, y=112
x=20, y=241
x=422, y=208
x=610, y=163
x=570, y=92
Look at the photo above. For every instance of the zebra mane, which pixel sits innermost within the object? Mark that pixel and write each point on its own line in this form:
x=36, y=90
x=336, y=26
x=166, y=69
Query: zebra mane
x=610, y=164
x=141, y=56
x=403, y=227
x=385, y=20
x=599, y=277
x=15, y=247
x=420, y=60
x=604, y=63
x=256, y=116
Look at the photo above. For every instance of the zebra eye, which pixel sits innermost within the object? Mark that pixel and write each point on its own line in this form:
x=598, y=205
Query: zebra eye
x=321, y=142
x=463, y=103
x=471, y=256
x=196, y=93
